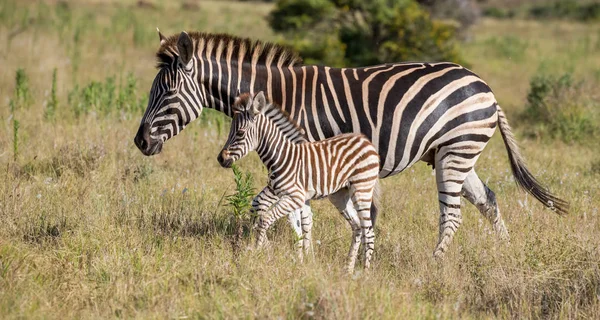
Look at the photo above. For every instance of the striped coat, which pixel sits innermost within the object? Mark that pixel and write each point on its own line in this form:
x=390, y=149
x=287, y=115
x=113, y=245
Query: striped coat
x=345, y=166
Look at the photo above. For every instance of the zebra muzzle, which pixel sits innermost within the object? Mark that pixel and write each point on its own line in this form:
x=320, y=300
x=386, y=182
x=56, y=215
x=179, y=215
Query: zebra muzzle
x=224, y=159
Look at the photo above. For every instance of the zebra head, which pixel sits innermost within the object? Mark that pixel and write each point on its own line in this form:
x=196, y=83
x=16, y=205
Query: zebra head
x=175, y=97
x=243, y=135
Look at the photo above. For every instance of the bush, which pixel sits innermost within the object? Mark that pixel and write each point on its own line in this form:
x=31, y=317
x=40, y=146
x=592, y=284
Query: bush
x=106, y=97
x=465, y=12
x=560, y=107
x=359, y=33
x=567, y=9
x=498, y=13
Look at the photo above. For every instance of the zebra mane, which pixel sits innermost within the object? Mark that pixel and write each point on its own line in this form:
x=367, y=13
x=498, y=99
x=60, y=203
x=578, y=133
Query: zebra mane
x=278, y=116
x=262, y=51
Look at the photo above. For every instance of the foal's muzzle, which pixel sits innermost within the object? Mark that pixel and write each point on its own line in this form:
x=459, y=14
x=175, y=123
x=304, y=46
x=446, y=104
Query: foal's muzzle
x=224, y=159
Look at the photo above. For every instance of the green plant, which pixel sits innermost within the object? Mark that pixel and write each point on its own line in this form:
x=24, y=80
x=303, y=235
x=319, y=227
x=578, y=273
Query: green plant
x=53, y=103
x=23, y=96
x=351, y=32
x=103, y=98
x=566, y=9
x=15, y=139
x=560, y=107
x=241, y=203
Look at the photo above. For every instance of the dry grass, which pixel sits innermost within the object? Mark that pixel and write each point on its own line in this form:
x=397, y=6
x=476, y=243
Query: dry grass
x=91, y=228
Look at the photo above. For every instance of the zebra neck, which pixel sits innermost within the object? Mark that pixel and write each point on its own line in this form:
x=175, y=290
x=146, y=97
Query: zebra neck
x=274, y=148
x=221, y=89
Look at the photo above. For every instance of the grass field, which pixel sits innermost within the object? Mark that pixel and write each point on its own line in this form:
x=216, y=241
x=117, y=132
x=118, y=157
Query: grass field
x=91, y=228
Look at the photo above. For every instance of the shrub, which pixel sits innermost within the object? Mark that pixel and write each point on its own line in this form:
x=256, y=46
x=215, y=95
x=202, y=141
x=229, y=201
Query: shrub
x=567, y=9
x=103, y=98
x=351, y=32
x=560, y=107
x=241, y=204
x=498, y=13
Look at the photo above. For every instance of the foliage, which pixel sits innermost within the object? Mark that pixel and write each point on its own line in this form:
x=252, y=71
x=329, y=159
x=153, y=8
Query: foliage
x=53, y=103
x=241, y=200
x=358, y=33
x=499, y=13
x=23, y=98
x=241, y=204
x=15, y=139
x=465, y=12
x=561, y=107
x=567, y=9
x=106, y=97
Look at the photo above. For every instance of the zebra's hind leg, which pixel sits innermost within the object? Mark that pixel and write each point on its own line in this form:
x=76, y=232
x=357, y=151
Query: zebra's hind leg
x=484, y=199
x=362, y=198
x=342, y=201
x=306, y=228
x=451, y=170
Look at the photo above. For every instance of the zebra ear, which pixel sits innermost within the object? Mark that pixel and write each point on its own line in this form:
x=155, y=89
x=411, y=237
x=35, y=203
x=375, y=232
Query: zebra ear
x=185, y=48
x=259, y=103
x=162, y=38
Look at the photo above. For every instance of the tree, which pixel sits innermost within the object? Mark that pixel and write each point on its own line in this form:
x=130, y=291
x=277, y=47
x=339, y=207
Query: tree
x=359, y=33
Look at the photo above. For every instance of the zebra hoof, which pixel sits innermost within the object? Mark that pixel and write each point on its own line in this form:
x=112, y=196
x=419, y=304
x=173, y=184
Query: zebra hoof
x=438, y=254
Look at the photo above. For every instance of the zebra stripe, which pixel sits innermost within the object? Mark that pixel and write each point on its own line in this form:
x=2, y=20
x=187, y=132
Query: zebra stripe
x=346, y=165
x=410, y=111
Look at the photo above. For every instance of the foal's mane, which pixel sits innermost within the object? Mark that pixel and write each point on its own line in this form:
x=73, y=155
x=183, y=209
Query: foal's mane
x=278, y=116
x=262, y=51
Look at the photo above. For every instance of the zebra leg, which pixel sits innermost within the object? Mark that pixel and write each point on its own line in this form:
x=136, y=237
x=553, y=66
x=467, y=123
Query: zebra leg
x=284, y=206
x=362, y=199
x=341, y=200
x=451, y=171
x=306, y=229
x=263, y=201
x=484, y=199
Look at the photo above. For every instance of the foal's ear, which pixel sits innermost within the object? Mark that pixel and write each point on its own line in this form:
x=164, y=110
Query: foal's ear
x=185, y=48
x=162, y=38
x=259, y=103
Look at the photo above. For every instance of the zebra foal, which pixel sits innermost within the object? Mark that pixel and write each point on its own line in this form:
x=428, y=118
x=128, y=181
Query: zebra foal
x=344, y=167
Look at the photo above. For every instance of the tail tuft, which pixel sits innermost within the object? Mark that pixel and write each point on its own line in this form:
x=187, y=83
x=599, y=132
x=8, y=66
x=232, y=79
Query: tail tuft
x=524, y=178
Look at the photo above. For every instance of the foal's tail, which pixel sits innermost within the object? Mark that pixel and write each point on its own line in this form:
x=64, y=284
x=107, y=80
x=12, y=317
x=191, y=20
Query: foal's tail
x=523, y=177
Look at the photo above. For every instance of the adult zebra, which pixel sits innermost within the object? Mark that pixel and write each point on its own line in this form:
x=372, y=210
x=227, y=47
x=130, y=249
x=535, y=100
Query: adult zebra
x=440, y=113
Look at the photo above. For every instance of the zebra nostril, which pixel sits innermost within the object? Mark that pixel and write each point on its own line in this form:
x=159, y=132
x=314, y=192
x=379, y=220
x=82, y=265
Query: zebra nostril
x=143, y=144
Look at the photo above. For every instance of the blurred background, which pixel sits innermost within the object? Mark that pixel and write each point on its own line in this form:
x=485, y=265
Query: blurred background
x=90, y=228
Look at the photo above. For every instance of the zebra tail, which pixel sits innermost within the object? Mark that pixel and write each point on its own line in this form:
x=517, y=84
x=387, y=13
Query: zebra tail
x=376, y=203
x=522, y=175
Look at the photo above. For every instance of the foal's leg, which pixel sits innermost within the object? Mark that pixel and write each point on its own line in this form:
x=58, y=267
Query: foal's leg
x=362, y=198
x=285, y=205
x=341, y=200
x=300, y=220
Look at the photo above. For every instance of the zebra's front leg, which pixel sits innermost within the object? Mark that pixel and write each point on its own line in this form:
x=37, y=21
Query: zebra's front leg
x=263, y=201
x=286, y=205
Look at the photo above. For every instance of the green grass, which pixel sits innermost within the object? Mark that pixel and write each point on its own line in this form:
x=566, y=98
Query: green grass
x=91, y=228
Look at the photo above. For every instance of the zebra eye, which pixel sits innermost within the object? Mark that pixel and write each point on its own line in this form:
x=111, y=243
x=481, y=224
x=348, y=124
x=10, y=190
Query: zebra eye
x=241, y=132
